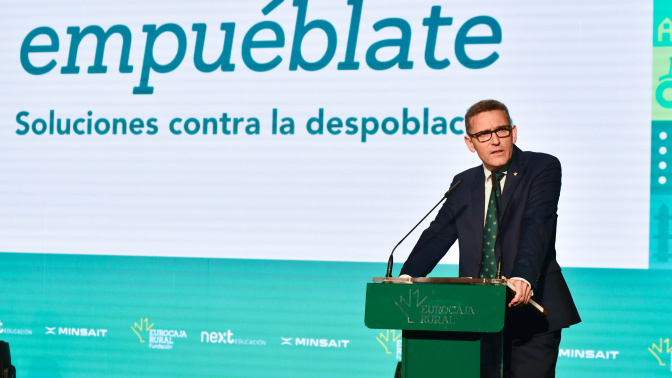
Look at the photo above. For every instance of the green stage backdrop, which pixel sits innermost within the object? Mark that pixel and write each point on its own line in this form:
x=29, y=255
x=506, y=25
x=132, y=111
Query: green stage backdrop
x=276, y=318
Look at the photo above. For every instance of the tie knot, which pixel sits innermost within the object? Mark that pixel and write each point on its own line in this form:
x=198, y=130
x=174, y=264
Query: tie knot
x=498, y=176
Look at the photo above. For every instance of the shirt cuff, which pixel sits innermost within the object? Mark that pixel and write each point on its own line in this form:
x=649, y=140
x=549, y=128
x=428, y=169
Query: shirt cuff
x=524, y=280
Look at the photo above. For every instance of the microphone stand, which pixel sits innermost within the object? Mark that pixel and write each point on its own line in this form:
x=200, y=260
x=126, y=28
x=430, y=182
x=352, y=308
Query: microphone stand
x=390, y=261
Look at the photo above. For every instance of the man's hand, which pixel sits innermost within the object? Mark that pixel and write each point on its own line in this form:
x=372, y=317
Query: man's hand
x=406, y=277
x=523, y=293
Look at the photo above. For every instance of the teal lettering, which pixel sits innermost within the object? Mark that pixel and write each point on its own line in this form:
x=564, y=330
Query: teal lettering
x=224, y=60
x=406, y=120
x=380, y=55
x=252, y=127
x=51, y=121
x=190, y=121
x=98, y=68
x=287, y=127
x=40, y=131
x=454, y=129
x=249, y=43
x=351, y=124
x=23, y=123
x=319, y=120
x=88, y=122
x=148, y=62
x=461, y=40
x=60, y=130
x=349, y=62
x=115, y=125
x=334, y=125
x=28, y=48
x=389, y=120
x=433, y=22
x=300, y=32
x=366, y=131
x=75, y=129
x=210, y=121
x=97, y=126
x=402, y=43
x=440, y=127
x=172, y=128
x=136, y=126
x=225, y=123
x=151, y=126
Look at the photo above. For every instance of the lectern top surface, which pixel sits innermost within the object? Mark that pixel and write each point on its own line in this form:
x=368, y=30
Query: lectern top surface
x=442, y=280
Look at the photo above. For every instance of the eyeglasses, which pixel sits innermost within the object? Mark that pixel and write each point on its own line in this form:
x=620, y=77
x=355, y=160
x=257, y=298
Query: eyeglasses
x=484, y=136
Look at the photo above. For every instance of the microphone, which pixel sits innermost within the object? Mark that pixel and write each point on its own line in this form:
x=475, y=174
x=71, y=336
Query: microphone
x=390, y=261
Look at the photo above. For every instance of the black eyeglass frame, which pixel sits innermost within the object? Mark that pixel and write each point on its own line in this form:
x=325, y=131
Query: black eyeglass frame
x=497, y=130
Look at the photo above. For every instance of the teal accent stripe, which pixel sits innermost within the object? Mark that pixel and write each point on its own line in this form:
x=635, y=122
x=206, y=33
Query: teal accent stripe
x=660, y=242
x=660, y=236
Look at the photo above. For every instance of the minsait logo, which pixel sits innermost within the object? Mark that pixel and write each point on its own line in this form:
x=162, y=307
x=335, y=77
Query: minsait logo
x=315, y=343
x=157, y=338
x=77, y=332
x=589, y=354
x=227, y=338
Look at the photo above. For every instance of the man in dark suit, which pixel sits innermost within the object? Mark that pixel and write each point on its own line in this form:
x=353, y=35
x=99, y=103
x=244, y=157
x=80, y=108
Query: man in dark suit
x=521, y=189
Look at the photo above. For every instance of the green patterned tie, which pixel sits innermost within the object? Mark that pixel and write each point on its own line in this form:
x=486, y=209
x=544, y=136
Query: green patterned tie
x=489, y=267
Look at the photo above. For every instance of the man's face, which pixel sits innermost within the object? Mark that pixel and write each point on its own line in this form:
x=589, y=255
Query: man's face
x=496, y=152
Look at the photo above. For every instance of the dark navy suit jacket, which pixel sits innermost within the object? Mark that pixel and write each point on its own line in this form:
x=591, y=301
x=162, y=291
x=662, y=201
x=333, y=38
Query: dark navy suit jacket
x=526, y=241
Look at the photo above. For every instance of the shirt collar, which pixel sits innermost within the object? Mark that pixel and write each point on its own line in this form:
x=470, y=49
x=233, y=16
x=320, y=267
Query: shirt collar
x=503, y=169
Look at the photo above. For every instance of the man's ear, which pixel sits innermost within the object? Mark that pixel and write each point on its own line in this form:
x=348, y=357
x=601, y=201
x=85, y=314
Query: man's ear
x=470, y=144
x=514, y=134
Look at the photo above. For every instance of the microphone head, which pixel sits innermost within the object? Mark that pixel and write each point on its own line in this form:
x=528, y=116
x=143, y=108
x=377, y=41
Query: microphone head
x=453, y=188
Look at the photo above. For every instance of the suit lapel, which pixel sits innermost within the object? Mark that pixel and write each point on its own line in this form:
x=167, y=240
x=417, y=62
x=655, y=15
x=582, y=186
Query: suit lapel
x=513, y=177
x=478, y=203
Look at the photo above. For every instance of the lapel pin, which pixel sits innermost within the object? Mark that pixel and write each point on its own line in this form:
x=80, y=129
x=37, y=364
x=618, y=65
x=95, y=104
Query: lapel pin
x=515, y=173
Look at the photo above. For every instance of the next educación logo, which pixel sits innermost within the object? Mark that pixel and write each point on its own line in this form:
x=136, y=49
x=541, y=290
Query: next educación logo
x=42, y=42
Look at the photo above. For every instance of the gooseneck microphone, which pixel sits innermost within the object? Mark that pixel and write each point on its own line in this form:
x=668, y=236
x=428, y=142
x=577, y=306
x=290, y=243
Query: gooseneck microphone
x=390, y=262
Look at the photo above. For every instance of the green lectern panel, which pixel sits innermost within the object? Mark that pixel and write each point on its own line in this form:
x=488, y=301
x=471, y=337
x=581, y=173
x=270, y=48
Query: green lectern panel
x=438, y=354
x=435, y=307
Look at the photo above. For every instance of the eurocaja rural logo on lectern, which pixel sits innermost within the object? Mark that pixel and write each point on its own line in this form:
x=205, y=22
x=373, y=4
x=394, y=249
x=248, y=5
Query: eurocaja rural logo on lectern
x=417, y=308
x=268, y=37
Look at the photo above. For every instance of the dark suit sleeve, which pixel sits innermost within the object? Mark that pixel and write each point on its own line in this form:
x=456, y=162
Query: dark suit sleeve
x=538, y=223
x=434, y=242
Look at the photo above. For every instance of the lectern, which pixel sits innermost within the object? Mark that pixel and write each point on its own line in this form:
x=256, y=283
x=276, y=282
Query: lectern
x=451, y=327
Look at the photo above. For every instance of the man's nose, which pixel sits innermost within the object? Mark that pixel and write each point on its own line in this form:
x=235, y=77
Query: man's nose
x=494, y=139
